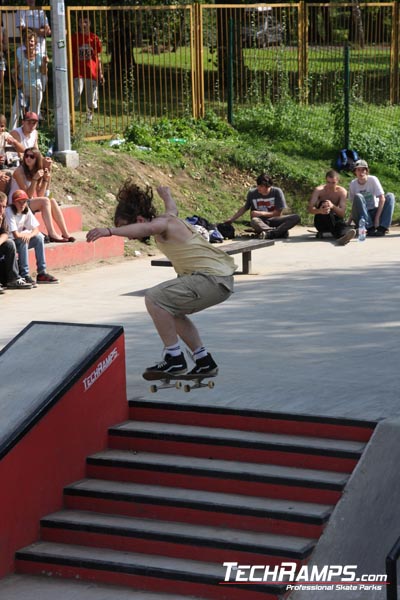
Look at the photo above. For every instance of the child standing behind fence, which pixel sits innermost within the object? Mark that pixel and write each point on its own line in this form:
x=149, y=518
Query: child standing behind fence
x=87, y=67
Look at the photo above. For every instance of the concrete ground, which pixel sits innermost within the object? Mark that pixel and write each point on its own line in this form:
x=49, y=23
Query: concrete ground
x=314, y=332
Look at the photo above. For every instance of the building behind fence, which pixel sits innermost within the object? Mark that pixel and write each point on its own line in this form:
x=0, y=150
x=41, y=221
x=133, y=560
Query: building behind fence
x=177, y=61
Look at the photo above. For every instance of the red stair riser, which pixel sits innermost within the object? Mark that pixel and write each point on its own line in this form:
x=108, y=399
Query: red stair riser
x=289, y=459
x=146, y=546
x=213, y=592
x=243, y=423
x=195, y=516
x=215, y=484
x=72, y=217
x=64, y=255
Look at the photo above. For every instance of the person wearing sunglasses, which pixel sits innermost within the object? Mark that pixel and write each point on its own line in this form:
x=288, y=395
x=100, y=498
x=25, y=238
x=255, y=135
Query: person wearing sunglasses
x=33, y=177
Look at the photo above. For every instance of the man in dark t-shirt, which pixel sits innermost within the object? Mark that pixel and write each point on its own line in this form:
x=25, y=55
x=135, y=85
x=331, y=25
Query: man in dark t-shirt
x=266, y=204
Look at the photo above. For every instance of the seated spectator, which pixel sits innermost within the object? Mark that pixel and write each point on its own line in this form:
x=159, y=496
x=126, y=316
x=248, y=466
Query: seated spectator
x=370, y=201
x=26, y=136
x=34, y=178
x=7, y=144
x=328, y=205
x=24, y=229
x=9, y=275
x=30, y=68
x=266, y=204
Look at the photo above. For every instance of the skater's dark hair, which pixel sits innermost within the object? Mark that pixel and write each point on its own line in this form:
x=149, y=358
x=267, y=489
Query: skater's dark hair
x=264, y=179
x=133, y=202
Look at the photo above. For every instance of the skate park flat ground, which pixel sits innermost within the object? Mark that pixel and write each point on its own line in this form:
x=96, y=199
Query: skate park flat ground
x=314, y=331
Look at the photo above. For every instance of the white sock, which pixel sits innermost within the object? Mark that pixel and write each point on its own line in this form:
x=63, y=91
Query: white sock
x=199, y=353
x=174, y=350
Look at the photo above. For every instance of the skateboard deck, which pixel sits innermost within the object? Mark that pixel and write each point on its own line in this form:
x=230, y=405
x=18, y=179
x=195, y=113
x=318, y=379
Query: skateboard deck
x=176, y=381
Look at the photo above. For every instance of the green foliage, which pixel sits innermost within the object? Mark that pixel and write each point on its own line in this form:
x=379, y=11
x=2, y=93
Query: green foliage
x=295, y=144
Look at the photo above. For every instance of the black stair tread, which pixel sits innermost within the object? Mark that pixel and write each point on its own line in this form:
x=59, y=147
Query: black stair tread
x=251, y=438
x=195, y=534
x=135, y=563
x=207, y=467
x=121, y=558
x=37, y=587
x=212, y=409
x=198, y=498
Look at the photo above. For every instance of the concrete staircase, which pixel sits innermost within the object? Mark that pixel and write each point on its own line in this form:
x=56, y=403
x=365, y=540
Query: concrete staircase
x=79, y=252
x=183, y=488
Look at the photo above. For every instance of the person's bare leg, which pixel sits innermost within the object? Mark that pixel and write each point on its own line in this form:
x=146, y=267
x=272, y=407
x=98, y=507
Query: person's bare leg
x=43, y=205
x=164, y=322
x=59, y=218
x=188, y=332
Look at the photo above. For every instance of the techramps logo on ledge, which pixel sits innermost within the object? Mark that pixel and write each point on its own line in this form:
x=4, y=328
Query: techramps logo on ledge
x=328, y=577
x=100, y=369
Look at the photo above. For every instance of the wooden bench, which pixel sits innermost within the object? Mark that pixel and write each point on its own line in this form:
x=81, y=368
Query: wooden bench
x=244, y=248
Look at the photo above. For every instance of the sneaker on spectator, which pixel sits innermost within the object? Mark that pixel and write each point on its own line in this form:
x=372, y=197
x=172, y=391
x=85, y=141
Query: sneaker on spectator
x=205, y=366
x=89, y=116
x=2, y=290
x=30, y=280
x=46, y=278
x=19, y=284
x=346, y=238
x=381, y=231
x=172, y=365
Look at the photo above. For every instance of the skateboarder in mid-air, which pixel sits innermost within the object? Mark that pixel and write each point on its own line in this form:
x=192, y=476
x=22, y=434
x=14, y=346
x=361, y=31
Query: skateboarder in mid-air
x=205, y=275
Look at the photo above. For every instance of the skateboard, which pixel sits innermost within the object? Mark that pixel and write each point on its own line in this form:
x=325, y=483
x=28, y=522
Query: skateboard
x=176, y=381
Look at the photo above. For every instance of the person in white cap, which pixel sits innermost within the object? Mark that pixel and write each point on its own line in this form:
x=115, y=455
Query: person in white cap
x=370, y=201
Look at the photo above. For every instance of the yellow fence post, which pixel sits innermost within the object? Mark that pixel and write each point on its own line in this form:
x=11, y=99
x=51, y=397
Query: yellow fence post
x=394, y=56
x=302, y=56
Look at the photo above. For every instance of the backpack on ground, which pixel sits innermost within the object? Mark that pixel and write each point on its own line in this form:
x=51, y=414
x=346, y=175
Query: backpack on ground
x=226, y=230
x=346, y=160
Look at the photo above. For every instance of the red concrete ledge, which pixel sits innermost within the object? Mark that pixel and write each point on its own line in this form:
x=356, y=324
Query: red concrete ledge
x=55, y=413
x=79, y=252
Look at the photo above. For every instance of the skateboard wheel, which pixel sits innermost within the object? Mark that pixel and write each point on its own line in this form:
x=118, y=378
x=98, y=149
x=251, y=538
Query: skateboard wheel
x=153, y=389
x=211, y=384
x=178, y=385
x=187, y=388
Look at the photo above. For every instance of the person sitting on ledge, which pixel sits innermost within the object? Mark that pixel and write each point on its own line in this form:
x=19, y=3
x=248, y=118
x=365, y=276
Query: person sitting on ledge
x=33, y=177
x=24, y=229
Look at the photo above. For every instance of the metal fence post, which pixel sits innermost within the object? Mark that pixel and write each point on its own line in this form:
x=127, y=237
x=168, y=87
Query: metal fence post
x=346, y=96
x=230, y=72
x=63, y=151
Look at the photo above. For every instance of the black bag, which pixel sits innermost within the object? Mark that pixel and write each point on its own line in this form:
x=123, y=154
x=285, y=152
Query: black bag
x=226, y=230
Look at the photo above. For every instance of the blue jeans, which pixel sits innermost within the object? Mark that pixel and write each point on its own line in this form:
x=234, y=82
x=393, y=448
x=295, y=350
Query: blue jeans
x=360, y=210
x=37, y=242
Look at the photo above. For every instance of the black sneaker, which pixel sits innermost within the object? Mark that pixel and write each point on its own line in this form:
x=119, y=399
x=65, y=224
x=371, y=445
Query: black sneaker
x=381, y=231
x=30, y=280
x=19, y=284
x=205, y=366
x=346, y=238
x=174, y=365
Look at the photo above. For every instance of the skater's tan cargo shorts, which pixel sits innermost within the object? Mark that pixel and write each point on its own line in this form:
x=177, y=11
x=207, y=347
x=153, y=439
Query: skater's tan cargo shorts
x=191, y=293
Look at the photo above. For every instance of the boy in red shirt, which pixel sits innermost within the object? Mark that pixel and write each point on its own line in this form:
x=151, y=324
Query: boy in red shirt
x=86, y=65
